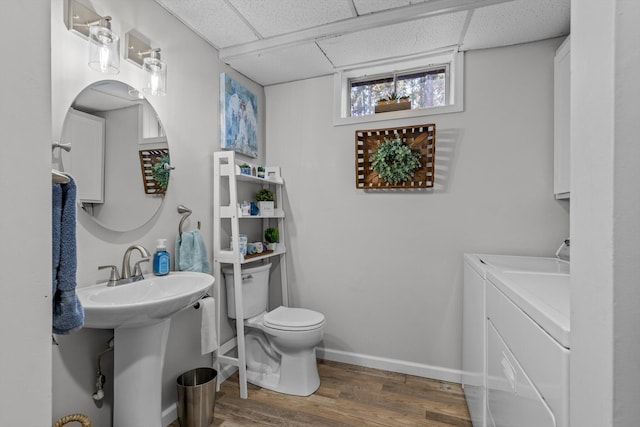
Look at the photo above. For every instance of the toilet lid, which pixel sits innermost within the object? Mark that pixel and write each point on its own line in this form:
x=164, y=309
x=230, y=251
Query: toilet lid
x=292, y=318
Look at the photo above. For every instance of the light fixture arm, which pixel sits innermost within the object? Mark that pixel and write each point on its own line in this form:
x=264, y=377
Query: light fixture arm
x=104, y=21
x=138, y=47
x=153, y=53
x=80, y=18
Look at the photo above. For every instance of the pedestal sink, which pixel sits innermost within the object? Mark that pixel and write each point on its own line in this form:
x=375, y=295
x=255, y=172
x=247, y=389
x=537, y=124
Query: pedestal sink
x=140, y=314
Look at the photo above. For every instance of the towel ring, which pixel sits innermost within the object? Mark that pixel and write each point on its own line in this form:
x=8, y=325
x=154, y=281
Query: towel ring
x=185, y=211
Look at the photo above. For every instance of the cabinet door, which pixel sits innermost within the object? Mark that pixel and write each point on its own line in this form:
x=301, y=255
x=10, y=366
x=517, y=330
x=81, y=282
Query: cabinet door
x=512, y=399
x=85, y=161
x=474, y=321
x=561, y=123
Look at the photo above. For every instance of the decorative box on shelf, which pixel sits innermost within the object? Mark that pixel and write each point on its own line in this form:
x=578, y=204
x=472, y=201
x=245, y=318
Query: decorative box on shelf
x=266, y=208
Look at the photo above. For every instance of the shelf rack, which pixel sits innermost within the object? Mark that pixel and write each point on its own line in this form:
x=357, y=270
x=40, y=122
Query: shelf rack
x=227, y=177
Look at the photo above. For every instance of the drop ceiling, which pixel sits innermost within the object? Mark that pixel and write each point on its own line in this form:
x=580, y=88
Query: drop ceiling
x=276, y=41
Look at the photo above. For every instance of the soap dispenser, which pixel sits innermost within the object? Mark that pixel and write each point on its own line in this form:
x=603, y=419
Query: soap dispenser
x=161, y=259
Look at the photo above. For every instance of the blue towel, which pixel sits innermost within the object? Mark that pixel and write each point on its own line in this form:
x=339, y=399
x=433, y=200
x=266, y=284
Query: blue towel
x=68, y=314
x=191, y=253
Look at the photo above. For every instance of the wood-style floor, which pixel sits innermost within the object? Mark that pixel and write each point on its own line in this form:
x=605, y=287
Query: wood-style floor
x=349, y=395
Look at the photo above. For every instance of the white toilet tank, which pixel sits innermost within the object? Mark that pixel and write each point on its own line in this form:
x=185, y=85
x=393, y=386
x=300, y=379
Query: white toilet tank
x=255, y=290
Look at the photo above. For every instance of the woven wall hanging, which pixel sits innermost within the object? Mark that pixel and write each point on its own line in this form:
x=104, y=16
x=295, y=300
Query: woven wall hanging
x=421, y=139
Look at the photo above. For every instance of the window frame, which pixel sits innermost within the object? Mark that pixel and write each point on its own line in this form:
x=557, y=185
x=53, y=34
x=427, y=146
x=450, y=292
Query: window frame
x=451, y=57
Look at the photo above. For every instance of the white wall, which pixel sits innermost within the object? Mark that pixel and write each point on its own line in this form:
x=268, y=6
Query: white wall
x=386, y=268
x=25, y=190
x=190, y=116
x=605, y=375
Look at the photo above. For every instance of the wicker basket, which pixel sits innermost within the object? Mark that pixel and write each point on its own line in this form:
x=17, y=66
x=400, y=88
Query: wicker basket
x=81, y=418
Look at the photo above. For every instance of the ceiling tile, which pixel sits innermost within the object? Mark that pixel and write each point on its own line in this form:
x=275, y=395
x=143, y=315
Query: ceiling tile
x=369, y=6
x=396, y=40
x=272, y=18
x=283, y=65
x=516, y=22
x=212, y=19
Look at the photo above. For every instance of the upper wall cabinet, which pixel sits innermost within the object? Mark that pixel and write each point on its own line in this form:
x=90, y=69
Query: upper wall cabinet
x=86, y=134
x=561, y=128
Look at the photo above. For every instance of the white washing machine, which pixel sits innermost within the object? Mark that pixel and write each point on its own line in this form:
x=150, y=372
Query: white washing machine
x=489, y=366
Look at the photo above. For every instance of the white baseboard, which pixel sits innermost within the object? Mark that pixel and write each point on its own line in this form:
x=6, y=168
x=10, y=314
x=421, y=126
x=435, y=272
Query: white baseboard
x=393, y=365
x=170, y=414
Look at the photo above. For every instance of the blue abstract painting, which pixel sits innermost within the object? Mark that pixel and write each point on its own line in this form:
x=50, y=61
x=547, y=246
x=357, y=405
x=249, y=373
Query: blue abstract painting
x=239, y=117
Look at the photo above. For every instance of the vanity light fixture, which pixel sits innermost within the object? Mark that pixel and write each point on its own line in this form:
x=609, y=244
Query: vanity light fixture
x=104, y=44
x=155, y=70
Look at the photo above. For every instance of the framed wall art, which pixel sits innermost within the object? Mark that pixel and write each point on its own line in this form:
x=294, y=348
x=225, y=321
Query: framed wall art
x=238, y=117
x=384, y=154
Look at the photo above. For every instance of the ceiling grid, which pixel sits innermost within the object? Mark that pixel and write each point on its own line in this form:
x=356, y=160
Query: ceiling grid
x=277, y=41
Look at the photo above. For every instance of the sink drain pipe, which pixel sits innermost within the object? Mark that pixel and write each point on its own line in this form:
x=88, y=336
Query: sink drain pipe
x=100, y=379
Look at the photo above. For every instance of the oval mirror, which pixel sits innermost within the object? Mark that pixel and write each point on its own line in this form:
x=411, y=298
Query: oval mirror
x=114, y=146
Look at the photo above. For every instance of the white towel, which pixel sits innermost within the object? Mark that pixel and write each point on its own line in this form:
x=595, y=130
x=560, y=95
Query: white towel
x=208, y=337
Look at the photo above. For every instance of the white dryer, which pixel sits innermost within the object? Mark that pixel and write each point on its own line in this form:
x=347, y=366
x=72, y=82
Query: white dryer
x=483, y=357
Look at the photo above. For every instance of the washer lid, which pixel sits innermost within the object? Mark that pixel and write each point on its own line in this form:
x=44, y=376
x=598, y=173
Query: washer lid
x=292, y=318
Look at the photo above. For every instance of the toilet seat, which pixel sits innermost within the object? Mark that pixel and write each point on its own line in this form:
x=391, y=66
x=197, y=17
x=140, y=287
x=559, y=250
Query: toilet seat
x=293, y=319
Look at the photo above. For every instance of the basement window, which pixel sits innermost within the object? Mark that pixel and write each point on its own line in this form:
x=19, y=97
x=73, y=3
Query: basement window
x=425, y=88
x=433, y=85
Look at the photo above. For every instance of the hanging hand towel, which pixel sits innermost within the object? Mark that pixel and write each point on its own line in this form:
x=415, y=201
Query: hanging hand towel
x=68, y=314
x=191, y=253
x=208, y=337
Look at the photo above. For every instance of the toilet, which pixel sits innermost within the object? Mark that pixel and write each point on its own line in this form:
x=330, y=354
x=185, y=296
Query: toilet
x=279, y=344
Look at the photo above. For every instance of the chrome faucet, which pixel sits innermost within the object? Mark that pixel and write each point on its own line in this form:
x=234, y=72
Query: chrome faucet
x=126, y=266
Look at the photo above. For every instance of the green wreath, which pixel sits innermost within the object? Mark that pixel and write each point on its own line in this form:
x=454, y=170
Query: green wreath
x=160, y=173
x=394, y=161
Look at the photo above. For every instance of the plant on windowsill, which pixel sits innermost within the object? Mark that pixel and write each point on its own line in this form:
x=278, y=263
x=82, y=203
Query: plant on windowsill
x=272, y=236
x=266, y=202
x=394, y=161
x=393, y=103
x=245, y=169
x=260, y=171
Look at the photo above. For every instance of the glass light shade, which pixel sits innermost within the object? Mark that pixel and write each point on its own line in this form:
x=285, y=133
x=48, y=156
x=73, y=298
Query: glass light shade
x=104, y=50
x=155, y=76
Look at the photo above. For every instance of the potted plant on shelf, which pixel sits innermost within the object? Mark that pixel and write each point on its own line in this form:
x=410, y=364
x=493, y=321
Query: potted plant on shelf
x=272, y=236
x=245, y=169
x=260, y=171
x=266, y=202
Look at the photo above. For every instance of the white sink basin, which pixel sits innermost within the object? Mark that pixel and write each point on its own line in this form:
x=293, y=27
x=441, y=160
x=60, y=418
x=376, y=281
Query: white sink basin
x=141, y=303
x=140, y=315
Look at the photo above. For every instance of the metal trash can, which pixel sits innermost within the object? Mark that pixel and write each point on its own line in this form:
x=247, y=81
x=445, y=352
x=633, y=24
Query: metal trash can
x=196, y=397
